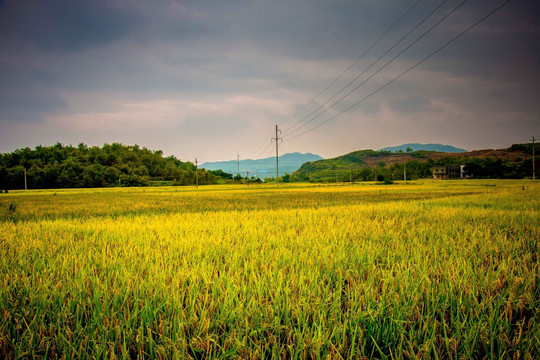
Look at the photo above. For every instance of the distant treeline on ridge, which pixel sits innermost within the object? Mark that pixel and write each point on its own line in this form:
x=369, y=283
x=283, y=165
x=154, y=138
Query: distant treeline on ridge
x=60, y=166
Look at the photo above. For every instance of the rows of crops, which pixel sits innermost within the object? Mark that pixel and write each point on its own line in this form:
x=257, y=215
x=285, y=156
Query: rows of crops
x=443, y=269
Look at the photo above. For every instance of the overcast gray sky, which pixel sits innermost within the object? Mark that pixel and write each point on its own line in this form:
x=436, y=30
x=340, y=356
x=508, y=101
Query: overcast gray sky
x=211, y=79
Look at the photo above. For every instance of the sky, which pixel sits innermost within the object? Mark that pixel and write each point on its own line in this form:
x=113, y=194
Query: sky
x=211, y=79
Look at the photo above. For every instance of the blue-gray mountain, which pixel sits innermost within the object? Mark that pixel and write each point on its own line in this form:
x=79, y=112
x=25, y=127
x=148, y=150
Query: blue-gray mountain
x=262, y=168
x=427, y=147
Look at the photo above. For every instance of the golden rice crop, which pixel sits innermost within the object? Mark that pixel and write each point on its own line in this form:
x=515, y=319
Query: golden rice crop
x=434, y=269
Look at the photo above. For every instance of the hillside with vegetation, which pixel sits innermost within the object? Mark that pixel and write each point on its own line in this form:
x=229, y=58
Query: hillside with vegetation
x=427, y=147
x=369, y=165
x=60, y=166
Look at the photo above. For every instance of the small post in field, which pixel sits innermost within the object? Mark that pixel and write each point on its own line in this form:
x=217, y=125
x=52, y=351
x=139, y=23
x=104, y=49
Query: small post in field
x=405, y=172
x=277, y=139
x=196, y=174
x=534, y=168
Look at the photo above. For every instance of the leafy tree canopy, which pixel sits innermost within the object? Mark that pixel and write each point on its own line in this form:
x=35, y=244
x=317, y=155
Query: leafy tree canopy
x=116, y=164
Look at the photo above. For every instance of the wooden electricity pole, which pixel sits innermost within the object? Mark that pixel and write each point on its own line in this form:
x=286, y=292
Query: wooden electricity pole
x=405, y=172
x=196, y=174
x=534, y=167
x=277, y=139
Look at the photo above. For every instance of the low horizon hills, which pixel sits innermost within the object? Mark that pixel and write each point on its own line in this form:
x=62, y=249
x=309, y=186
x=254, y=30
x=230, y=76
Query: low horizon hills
x=288, y=163
x=425, y=147
x=291, y=162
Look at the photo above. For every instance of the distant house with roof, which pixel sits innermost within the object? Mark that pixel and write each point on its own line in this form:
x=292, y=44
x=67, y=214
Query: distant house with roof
x=449, y=172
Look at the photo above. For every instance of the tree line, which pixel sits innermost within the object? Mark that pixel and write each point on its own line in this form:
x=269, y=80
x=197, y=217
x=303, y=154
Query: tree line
x=60, y=166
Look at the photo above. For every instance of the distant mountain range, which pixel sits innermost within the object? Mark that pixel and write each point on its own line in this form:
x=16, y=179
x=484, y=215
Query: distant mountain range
x=288, y=163
x=426, y=147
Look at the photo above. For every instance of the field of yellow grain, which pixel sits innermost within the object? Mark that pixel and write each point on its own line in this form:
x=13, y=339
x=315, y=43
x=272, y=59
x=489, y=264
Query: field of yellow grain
x=429, y=269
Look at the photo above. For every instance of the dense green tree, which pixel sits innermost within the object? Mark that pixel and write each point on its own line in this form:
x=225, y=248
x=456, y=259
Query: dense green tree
x=82, y=166
x=285, y=178
x=94, y=176
x=220, y=173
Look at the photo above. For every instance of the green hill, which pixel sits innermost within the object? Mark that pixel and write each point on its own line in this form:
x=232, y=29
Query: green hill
x=369, y=165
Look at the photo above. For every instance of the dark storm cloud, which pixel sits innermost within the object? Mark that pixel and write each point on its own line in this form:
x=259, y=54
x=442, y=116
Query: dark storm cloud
x=316, y=29
x=504, y=46
x=66, y=25
x=185, y=65
x=205, y=33
x=27, y=92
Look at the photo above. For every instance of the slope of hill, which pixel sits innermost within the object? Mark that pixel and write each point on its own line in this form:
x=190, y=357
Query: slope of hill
x=514, y=162
x=426, y=147
x=262, y=168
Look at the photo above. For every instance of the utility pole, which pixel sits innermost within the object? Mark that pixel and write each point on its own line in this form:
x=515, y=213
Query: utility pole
x=405, y=172
x=247, y=178
x=26, y=188
x=196, y=174
x=238, y=163
x=350, y=174
x=534, y=167
x=277, y=139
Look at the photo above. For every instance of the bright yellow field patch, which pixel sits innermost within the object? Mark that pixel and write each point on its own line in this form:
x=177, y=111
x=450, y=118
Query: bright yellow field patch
x=428, y=269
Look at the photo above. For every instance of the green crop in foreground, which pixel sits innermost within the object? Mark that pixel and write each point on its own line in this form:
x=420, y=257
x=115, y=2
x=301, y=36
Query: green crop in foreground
x=435, y=270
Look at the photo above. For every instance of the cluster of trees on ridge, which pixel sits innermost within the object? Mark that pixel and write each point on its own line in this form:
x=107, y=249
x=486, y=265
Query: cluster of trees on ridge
x=60, y=166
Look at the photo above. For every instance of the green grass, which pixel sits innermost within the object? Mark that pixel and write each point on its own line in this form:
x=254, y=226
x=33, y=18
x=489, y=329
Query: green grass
x=429, y=270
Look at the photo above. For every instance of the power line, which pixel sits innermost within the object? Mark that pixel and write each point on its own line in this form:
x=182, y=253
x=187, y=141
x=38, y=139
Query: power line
x=515, y=142
x=354, y=63
x=264, y=151
x=363, y=54
x=369, y=67
x=406, y=71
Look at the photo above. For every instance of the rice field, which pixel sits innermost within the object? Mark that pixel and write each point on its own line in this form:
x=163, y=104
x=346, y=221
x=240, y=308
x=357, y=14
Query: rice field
x=431, y=269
